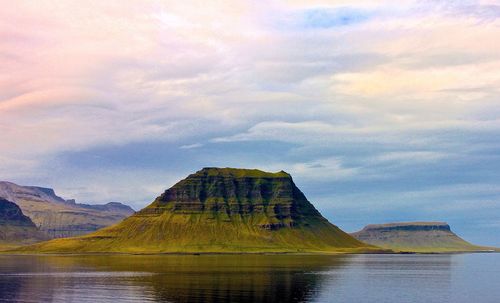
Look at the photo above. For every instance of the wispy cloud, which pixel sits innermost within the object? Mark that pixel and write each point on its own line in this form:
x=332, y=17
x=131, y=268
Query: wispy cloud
x=191, y=146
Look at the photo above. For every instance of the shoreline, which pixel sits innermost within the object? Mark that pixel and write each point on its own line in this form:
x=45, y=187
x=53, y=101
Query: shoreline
x=6, y=253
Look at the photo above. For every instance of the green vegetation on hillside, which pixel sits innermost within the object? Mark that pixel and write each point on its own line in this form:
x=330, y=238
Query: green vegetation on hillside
x=242, y=173
x=220, y=211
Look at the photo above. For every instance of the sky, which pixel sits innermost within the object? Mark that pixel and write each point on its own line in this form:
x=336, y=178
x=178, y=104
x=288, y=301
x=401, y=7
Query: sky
x=381, y=112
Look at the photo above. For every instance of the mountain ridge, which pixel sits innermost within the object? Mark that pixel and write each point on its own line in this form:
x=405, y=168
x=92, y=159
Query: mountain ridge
x=58, y=217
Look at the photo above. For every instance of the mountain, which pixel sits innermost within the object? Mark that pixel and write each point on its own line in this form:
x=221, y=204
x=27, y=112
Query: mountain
x=57, y=217
x=219, y=210
x=415, y=237
x=15, y=227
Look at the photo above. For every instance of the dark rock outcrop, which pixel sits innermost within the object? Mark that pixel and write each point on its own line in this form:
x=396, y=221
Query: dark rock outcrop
x=15, y=227
x=11, y=213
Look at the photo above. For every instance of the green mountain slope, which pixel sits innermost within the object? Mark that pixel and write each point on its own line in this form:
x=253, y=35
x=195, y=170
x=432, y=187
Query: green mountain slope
x=415, y=237
x=219, y=210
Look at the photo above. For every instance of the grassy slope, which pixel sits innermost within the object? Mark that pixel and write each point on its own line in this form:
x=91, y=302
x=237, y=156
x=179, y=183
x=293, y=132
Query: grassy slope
x=169, y=233
x=8, y=246
x=13, y=236
x=241, y=172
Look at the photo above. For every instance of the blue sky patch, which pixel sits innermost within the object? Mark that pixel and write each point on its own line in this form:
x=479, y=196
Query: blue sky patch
x=328, y=18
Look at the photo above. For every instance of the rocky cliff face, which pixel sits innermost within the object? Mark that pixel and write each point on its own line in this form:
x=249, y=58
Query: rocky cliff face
x=57, y=217
x=408, y=226
x=15, y=227
x=414, y=236
x=270, y=198
x=220, y=210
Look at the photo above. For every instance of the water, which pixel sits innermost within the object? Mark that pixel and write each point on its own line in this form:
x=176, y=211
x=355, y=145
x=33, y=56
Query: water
x=251, y=278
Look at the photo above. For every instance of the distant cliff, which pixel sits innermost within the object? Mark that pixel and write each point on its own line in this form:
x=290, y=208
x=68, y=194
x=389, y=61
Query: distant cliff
x=220, y=210
x=15, y=227
x=57, y=217
x=415, y=236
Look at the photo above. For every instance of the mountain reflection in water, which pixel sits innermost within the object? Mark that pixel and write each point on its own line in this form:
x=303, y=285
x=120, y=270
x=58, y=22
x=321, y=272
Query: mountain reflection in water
x=171, y=278
x=251, y=278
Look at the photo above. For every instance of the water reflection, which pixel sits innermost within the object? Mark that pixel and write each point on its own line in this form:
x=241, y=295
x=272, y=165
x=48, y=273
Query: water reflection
x=391, y=278
x=252, y=278
x=216, y=278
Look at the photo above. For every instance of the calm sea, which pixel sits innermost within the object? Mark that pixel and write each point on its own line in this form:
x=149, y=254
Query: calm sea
x=252, y=278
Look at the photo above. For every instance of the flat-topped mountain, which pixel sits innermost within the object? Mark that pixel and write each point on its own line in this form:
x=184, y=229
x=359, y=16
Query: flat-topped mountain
x=219, y=210
x=58, y=217
x=415, y=237
x=15, y=227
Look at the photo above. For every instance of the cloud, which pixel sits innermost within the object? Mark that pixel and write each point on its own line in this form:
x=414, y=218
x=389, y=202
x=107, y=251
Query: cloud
x=191, y=146
x=414, y=156
x=332, y=169
x=143, y=71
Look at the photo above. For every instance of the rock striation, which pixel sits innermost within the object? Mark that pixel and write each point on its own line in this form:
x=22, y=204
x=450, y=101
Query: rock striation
x=415, y=237
x=220, y=210
x=270, y=200
x=15, y=227
x=57, y=217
